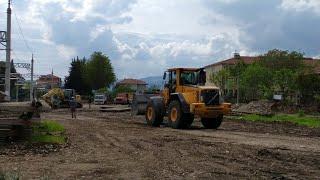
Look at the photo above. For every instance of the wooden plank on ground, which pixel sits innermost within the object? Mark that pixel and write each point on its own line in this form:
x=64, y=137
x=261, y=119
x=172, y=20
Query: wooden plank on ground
x=115, y=110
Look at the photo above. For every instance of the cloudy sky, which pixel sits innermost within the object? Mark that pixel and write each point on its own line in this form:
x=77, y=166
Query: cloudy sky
x=144, y=37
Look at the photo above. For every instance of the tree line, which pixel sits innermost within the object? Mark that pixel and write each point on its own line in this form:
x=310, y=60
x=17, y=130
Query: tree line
x=90, y=74
x=276, y=72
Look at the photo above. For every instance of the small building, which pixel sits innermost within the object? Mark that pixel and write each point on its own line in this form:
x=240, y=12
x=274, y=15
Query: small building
x=137, y=85
x=48, y=81
x=218, y=66
x=230, y=85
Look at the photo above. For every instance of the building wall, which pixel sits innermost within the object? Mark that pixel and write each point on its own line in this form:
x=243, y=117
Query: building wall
x=46, y=83
x=133, y=87
x=141, y=88
x=212, y=70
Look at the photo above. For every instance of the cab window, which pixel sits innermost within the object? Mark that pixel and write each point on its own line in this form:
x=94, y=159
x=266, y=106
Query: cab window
x=188, y=78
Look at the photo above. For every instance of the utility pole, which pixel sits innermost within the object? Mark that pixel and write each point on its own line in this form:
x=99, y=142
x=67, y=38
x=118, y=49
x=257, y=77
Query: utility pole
x=8, y=51
x=31, y=83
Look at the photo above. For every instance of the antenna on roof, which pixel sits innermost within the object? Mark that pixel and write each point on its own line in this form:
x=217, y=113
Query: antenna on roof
x=236, y=55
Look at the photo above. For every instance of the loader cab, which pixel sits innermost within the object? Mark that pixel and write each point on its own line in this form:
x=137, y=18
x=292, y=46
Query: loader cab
x=178, y=77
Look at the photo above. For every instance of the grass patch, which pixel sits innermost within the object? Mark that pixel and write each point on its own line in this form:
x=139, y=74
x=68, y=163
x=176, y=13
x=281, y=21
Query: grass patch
x=48, y=139
x=48, y=126
x=50, y=132
x=309, y=121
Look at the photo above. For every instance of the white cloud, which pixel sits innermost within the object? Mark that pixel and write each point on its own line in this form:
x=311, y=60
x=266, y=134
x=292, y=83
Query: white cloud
x=144, y=37
x=66, y=52
x=152, y=58
x=301, y=5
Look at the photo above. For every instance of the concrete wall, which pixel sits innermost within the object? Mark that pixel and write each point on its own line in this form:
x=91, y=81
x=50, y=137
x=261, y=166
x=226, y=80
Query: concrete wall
x=138, y=88
x=212, y=70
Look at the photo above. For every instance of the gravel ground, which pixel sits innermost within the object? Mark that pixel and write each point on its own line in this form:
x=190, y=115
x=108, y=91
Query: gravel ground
x=118, y=146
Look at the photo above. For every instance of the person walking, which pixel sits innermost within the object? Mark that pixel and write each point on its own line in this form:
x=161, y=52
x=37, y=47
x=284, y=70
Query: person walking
x=90, y=101
x=73, y=107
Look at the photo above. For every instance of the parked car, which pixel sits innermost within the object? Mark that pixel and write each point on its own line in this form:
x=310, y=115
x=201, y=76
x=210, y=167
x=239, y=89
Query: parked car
x=100, y=99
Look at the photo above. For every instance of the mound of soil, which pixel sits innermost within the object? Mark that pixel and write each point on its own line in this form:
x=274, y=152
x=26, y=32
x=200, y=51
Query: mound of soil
x=263, y=107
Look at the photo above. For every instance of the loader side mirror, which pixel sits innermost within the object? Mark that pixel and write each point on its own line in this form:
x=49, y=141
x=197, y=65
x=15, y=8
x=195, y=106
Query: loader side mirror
x=164, y=75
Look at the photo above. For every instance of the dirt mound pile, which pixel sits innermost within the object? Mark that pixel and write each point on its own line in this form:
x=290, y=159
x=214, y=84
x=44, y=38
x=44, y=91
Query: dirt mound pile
x=263, y=107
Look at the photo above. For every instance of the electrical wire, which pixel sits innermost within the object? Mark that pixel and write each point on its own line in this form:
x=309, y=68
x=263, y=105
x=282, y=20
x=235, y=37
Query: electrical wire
x=21, y=33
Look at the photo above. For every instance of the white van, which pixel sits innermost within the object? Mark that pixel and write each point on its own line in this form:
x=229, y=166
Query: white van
x=100, y=99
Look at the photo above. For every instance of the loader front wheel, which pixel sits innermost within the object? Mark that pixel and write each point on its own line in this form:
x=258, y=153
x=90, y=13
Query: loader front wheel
x=212, y=123
x=176, y=116
x=153, y=115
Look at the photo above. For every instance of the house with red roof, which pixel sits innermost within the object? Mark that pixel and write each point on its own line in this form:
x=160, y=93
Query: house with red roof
x=231, y=87
x=48, y=81
x=218, y=66
x=135, y=84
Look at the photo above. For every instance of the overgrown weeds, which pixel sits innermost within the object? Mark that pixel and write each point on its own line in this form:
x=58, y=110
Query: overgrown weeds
x=299, y=119
x=48, y=131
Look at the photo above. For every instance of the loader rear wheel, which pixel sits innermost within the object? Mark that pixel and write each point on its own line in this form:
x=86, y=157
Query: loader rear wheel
x=153, y=115
x=212, y=123
x=176, y=118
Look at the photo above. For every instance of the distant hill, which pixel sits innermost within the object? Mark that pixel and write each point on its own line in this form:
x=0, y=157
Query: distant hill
x=154, y=81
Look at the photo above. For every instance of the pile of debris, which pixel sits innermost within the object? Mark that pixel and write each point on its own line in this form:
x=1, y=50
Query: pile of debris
x=263, y=107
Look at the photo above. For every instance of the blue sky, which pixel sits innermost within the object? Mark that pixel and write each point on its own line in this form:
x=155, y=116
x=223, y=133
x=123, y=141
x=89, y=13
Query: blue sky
x=145, y=37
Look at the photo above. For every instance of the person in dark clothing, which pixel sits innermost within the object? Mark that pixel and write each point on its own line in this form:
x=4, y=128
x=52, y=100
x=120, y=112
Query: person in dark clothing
x=90, y=101
x=73, y=107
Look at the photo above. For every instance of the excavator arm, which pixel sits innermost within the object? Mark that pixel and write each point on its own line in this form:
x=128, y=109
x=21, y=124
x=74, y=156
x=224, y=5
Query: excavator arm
x=54, y=97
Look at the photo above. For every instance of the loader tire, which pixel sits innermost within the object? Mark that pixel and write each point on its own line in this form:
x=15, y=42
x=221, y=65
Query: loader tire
x=212, y=123
x=176, y=118
x=188, y=120
x=154, y=117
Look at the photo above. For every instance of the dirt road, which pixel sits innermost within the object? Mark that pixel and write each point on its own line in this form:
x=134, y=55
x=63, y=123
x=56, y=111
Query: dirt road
x=116, y=145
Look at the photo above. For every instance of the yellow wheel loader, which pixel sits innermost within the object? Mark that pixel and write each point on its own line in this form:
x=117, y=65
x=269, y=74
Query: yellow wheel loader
x=184, y=96
x=60, y=98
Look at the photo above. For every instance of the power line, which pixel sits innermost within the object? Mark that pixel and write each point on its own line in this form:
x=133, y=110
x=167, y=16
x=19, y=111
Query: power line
x=21, y=32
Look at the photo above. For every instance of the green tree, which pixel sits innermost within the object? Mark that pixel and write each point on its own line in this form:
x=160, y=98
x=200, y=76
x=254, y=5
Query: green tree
x=76, y=79
x=220, y=79
x=309, y=88
x=237, y=69
x=277, y=72
x=99, y=71
x=256, y=82
x=276, y=60
x=285, y=68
